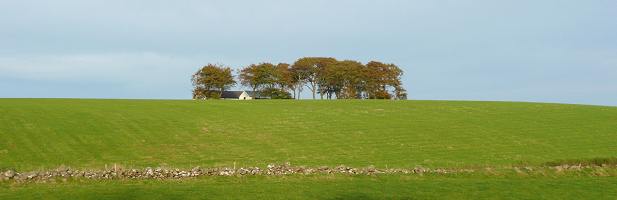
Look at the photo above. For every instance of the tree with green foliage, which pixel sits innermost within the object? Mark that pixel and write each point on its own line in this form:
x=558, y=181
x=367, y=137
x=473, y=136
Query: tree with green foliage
x=380, y=77
x=331, y=81
x=309, y=70
x=211, y=80
x=352, y=79
x=298, y=79
x=284, y=78
x=275, y=93
x=256, y=76
x=345, y=79
x=249, y=77
x=267, y=79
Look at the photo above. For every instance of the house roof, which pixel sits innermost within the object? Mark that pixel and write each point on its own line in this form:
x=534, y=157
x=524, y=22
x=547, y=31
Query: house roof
x=231, y=94
x=236, y=94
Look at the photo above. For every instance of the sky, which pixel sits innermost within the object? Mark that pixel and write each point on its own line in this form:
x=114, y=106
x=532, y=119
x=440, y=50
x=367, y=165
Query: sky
x=562, y=51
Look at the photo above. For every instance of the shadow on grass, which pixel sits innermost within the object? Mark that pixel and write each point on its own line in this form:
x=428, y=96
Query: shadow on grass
x=586, y=162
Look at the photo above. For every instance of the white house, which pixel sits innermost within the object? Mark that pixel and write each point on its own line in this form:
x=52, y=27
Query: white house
x=238, y=95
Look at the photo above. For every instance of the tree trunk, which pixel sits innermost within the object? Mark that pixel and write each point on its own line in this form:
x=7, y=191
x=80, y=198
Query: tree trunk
x=255, y=93
x=313, y=89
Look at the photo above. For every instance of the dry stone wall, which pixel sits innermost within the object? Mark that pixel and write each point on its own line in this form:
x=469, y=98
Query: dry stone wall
x=277, y=170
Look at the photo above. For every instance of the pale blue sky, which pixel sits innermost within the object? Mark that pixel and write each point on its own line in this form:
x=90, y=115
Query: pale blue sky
x=515, y=50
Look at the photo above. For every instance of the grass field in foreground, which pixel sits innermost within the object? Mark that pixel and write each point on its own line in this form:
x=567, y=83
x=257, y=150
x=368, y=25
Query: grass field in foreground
x=47, y=133
x=329, y=187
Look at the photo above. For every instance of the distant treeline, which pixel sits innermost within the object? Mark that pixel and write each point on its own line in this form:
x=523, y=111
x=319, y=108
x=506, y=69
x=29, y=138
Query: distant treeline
x=326, y=77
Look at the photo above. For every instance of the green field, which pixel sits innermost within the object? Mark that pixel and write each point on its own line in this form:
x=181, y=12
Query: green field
x=383, y=187
x=46, y=133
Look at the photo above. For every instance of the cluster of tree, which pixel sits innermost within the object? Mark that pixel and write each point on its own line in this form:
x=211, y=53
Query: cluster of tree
x=211, y=80
x=326, y=77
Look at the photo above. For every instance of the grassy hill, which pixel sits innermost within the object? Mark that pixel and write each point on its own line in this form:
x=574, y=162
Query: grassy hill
x=47, y=133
